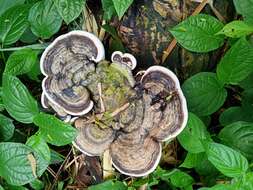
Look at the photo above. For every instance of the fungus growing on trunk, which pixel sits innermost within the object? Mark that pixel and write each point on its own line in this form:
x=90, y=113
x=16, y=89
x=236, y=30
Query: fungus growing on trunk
x=129, y=118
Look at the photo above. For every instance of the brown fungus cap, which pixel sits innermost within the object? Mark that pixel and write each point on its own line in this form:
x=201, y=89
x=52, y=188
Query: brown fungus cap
x=65, y=63
x=136, y=117
x=158, y=114
x=168, y=103
x=91, y=139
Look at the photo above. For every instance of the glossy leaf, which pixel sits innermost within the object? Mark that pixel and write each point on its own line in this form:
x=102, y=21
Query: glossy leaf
x=244, y=183
x=194, y=132
x=69, y=10
x=53, y=130
x=237, y=63
x=197, y=33
x=239, y=135
x=15, y=166
x=228, y=161
x=6, y=4
x=37, y=184
x=191, y=160
x=121, y=6
x=180, y=179
x=13, y=23
x=38, y=144
x=236, y=29
x=17, y=100
x=204, y=94
x=44, y=19
x=20, y=62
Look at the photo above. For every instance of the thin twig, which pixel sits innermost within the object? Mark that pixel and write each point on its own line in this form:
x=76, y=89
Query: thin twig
x=173, y=43
x=100, y=97
x=72, y=161
x=51, y=172
x=60, y=170
x=120, y=109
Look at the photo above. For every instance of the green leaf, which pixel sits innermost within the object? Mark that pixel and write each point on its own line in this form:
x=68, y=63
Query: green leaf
x=6, y=128
x=17, y=100
x=197, y=33
x=35, y=72
x=56, y=158
x=204, y=94
x=109, y=185
x=245, y=7
x=236, y=29
x=108, y=9
x=6, y=4
x=181, y=179
x=38, y=144
x=239, y=135
x=228, y=161
x=1, y=99
x=247, y=82
x=192, y=160
x=44, y=19
x=13, y=23
x=15, y=166
x=121, y=6
x=195, y=131
x=219, y=187
x=69, y=10
x=37, y=184
x=28, y=37
x=13, y=187
x=20, y=62
x=237, y=63
x=245, y=182
x=53, y=130
x=234, y=114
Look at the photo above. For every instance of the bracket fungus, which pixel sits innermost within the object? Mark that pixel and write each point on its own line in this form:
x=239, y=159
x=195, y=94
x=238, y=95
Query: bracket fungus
x=129, y=116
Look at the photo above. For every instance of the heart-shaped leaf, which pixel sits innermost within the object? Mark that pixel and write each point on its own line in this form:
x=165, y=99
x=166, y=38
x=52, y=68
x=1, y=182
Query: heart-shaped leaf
x=197, y=33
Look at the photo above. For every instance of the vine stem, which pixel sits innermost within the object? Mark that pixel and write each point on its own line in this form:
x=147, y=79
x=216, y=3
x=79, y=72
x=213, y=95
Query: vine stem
x=173, y=43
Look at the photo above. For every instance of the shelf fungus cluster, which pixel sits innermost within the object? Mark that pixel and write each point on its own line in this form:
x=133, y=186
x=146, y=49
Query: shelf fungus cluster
x=113, y=110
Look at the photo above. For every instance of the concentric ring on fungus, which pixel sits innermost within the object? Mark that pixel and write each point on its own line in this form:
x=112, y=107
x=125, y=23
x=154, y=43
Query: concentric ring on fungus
x=130, y=118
